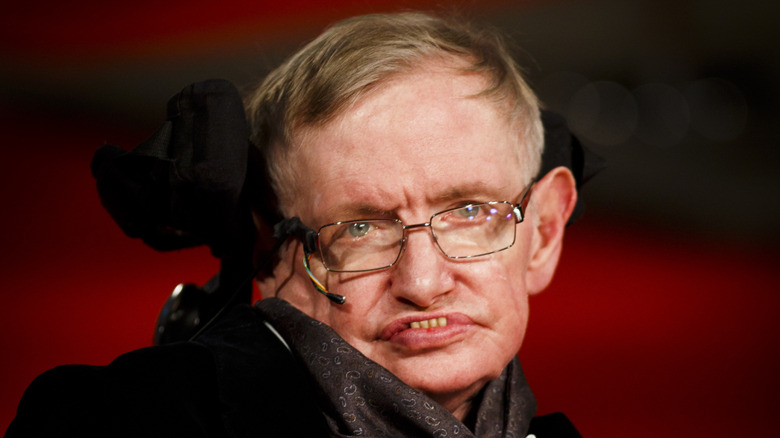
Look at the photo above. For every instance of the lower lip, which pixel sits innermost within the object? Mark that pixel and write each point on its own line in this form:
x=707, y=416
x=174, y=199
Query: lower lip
x=436, y=337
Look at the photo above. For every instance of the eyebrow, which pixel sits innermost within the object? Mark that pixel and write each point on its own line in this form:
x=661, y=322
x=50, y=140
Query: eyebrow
x=469, y=191
x=351, y=211
x=361, y=211
x=474, y=191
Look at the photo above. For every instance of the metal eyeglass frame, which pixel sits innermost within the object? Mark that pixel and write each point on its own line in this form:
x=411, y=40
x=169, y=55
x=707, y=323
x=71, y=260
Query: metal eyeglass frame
x=293, y=227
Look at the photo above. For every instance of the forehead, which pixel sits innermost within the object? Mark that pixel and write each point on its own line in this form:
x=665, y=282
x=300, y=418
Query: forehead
x=419, y=140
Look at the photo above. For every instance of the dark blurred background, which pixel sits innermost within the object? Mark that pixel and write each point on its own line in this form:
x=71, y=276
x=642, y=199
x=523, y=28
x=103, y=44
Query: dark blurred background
x=662, y=319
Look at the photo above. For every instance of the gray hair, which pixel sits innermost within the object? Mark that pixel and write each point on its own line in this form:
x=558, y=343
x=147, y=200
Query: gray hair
x=334, y=70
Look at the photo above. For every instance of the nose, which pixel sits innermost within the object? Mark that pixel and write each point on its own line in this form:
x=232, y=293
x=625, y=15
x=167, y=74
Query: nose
x=423, y=273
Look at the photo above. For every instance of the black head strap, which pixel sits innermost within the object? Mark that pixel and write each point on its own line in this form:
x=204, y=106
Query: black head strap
x=562, y=148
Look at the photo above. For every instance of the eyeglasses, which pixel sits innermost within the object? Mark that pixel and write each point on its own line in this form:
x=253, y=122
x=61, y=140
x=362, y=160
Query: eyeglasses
x=472, y=230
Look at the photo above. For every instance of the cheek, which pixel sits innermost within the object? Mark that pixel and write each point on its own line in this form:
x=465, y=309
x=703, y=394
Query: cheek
x=348, y=326
x=514, y=324
x=503, y=278
x=502, y=287
x=354, y=320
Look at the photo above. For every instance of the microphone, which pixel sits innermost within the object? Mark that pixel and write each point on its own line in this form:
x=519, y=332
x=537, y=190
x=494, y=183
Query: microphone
x=336, y=298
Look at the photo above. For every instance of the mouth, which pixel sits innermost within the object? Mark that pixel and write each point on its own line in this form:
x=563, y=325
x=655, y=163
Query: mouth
x=429, y=323
x=424, y=331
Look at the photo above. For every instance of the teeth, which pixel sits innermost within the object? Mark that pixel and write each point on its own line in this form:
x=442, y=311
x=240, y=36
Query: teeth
x=429, y=323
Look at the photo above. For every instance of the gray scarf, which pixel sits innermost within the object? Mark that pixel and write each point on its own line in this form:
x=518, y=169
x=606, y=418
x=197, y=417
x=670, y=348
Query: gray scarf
x=361, y=398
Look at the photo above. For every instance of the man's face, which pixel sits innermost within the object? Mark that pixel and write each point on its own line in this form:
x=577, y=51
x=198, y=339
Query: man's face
x=412, y=147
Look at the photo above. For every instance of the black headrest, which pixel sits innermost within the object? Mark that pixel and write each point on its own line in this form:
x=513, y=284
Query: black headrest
x=184, y=186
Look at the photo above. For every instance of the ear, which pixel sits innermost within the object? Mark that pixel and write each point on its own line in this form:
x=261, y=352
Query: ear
x=287, y=278
x=554, y=197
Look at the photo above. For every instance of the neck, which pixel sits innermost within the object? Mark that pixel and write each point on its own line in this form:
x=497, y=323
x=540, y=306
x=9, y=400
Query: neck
x=459, y=404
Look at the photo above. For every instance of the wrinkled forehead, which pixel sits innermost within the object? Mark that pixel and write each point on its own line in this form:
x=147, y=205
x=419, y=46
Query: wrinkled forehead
x=455, y=71
x=454, y=68
x=427, y=134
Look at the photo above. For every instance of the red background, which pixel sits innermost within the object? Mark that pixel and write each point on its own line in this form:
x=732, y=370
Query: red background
x=646, y=330
x=643, y=333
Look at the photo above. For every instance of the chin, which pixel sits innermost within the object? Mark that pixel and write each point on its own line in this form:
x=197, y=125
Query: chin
x=440, y=379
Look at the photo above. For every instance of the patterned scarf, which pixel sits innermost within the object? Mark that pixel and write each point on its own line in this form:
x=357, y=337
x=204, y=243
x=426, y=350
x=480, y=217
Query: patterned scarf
x=361, y=398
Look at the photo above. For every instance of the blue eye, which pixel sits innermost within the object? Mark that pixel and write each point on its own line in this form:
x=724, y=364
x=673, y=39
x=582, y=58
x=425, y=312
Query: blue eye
x=359, y=229
x=469, y=212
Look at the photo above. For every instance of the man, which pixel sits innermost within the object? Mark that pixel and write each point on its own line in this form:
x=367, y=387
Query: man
x=405, y=153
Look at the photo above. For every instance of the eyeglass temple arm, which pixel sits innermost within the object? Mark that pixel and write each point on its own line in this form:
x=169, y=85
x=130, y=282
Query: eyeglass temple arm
x=524, y=200
x=293, y=227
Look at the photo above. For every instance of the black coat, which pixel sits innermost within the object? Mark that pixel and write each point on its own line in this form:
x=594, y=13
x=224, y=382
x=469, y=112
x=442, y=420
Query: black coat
x=236, y=380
